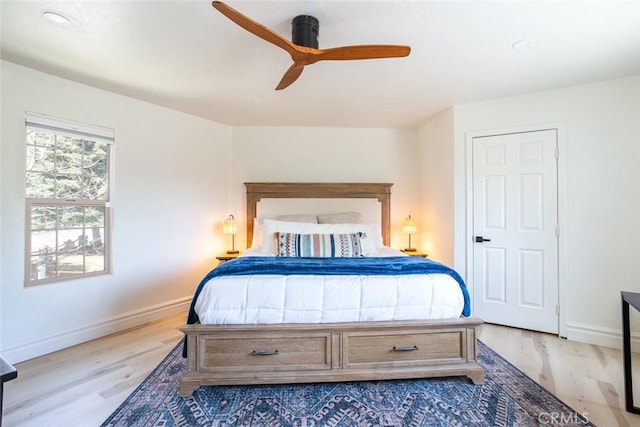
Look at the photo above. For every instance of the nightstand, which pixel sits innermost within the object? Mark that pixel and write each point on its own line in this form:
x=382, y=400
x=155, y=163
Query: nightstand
x=7, y=373
x=414, y=253
x=227, y=257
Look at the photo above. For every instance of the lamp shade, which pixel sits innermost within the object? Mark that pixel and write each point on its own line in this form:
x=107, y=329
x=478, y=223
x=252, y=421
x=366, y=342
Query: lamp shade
x=230, y=226
x=409, y=225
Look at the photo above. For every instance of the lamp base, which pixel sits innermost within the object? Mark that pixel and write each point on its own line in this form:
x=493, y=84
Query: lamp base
x=409, y=250
x=233, y=252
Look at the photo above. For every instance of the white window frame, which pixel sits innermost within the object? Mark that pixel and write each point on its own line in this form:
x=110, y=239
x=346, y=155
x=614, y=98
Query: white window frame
x=35, y=121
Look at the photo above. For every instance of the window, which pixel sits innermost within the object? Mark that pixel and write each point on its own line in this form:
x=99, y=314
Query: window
x=67, y=199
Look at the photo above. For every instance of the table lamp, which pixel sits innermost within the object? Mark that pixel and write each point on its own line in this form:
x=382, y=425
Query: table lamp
x=409, y=227
x=230, y=227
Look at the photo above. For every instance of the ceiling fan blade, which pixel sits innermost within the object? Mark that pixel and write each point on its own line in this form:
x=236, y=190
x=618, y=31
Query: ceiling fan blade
x=373, y=51
x=302, y=54
x=290, y=76
x=254, y=27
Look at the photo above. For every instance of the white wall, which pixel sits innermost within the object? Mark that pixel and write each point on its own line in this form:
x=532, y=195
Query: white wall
x=599, y=198
x=169, y=198
x=329, y=155
x=177, y=177
x=435, y=148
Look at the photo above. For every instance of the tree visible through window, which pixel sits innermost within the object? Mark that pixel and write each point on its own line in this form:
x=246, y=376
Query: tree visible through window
x=67, y=194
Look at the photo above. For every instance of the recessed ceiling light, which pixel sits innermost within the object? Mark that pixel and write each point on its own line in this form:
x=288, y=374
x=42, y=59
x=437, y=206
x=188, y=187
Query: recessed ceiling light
x=57, y=18
x=522, y=44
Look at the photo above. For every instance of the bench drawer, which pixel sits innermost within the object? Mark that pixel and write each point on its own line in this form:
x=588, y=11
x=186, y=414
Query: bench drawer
x=378, y=349
x=246, y=353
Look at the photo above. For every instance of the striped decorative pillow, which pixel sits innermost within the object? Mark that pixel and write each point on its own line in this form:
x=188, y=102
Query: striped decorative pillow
x=320, y=245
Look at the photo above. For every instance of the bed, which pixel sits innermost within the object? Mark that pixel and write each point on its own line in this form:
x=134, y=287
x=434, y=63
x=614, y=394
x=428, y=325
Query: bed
x=305, y=343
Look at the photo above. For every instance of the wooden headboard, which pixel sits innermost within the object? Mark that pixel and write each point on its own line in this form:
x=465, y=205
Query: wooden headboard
x=313, y=190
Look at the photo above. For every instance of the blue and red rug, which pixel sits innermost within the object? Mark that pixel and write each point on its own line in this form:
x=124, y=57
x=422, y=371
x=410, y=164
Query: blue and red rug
x=507, y=398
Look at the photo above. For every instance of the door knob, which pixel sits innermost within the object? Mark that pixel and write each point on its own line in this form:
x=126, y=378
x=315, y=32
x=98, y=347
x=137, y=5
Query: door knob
x=480, y=239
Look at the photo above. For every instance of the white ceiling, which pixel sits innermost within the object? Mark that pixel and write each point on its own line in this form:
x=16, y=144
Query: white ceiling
x=187, y=56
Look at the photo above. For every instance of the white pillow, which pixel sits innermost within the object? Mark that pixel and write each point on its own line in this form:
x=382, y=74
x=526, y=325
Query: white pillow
x=312, y=219
x=375, y=233
x=256, y=240
x=340, y=218
x=270, y=227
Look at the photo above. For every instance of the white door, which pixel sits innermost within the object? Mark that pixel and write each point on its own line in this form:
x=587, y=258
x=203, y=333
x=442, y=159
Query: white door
x=515, y=234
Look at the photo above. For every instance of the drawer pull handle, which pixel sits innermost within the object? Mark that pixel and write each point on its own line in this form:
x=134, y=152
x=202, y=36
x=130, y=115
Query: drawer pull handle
x=412, y=348
x=264, y=353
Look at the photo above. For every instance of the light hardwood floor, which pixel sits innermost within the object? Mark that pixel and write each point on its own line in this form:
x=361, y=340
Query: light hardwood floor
x=82, y=385
x=587, y=377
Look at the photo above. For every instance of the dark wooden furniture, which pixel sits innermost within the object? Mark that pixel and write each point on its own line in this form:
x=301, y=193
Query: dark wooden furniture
x=7, y=373
x=628, y=299
x=415, y=253
x=328, y=352
x=227, y=257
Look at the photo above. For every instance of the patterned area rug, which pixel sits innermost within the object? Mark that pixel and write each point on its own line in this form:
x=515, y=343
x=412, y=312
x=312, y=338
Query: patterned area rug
x=508, y=398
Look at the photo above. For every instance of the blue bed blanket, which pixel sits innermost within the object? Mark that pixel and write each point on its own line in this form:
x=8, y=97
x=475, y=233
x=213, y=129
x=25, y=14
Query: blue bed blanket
x=366, y=266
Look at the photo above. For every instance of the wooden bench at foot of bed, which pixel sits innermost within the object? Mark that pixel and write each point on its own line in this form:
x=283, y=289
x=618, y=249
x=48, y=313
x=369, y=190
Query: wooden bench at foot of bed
x=332, y=352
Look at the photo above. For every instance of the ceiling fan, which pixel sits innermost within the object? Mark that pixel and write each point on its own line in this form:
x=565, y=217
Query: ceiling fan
x=304, y=47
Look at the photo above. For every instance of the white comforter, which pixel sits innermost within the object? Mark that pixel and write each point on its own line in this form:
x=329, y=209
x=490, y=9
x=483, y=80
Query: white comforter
x=325, y=299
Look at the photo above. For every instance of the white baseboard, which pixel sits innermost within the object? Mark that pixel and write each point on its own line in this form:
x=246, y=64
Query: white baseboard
x=575, y=332
x=605, y=337
x=54, y=342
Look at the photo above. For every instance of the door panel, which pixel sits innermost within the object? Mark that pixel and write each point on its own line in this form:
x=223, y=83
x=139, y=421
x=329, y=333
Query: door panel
x=531, y=278
x=495, y=275
x=495, y=202
x=515, y=268
x=531, y=201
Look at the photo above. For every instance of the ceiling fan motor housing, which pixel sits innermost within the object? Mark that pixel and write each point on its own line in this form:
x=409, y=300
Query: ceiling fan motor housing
x=305, y=31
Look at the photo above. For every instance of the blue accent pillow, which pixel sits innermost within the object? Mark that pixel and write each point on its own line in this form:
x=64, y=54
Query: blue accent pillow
x=320, y=245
